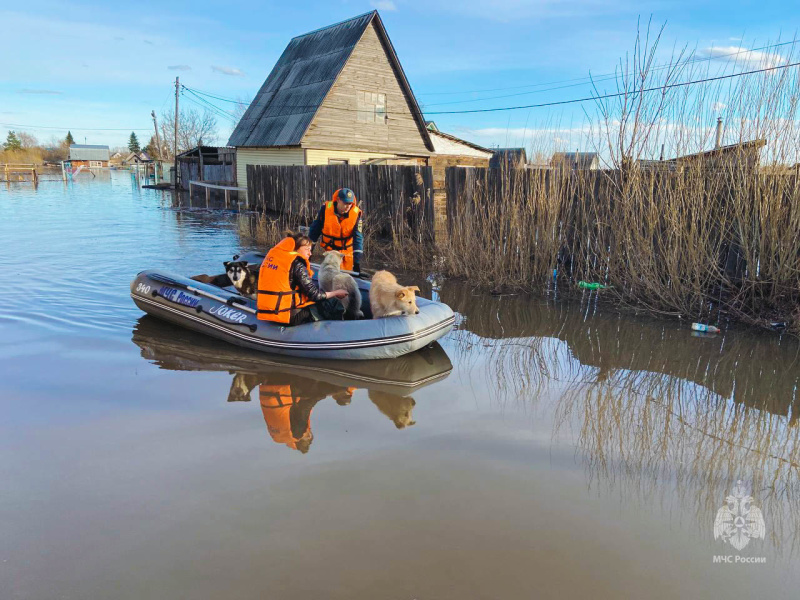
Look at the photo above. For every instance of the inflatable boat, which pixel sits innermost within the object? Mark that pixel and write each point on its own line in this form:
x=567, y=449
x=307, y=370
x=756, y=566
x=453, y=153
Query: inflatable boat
x=176, y=349
x=226, y=315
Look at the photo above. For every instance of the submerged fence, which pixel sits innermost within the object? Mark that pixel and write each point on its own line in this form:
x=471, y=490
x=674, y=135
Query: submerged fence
x=677, y=242
x=395, y=199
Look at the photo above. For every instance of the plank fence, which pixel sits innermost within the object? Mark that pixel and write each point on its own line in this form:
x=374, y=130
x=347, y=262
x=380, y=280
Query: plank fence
x=395, y=199
x=700, y=234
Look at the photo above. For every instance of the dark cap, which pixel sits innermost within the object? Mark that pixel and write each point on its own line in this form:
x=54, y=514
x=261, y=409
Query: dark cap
x=346, y=195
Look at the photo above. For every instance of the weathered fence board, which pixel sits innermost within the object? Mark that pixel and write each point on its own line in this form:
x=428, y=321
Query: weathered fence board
x=190, y=171
x=672, y=239
x=392, y=197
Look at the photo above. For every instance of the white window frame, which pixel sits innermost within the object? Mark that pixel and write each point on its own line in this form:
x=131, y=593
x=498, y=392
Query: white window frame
x=371, y=108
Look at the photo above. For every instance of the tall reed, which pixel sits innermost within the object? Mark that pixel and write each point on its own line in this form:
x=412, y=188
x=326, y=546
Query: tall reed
x=706, y=231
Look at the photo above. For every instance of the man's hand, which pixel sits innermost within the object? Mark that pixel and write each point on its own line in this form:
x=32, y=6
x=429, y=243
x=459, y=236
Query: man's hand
x=340, y=294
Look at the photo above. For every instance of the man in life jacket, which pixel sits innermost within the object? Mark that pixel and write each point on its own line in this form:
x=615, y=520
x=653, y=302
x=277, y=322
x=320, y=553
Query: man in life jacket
x=286, y=293
x=338, y=227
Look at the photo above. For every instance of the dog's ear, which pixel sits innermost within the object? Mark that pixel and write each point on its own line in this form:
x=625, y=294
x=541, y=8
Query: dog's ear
x=400, y=293
x=412, y=288
x=226, y=263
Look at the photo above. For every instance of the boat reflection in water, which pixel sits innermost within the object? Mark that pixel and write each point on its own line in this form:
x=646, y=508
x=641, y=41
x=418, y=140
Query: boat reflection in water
x=289, y=388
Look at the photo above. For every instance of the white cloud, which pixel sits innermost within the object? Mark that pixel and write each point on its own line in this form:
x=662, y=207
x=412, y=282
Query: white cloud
x=227, y=71
x=179, y=68
x=383, y=4
x=718, y=106
x=751, y=59
x=42, y=92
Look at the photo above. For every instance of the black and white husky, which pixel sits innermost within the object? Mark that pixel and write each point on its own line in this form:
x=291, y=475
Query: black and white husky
x=240, y=274
x=244, y=277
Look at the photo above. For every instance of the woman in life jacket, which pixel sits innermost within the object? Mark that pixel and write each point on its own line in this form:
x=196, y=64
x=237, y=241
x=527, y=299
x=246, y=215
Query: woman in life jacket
x=286, y=293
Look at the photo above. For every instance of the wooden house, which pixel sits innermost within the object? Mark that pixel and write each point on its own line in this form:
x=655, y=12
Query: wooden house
x=88, y=155
x=742, y=156
x=206, y=163
x=337, y=95
x=508, y=158
x=450, y=151
x=577, y=161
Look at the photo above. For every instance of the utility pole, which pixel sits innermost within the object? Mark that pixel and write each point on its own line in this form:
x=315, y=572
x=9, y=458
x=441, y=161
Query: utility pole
x=177, y=116
x=155, y=126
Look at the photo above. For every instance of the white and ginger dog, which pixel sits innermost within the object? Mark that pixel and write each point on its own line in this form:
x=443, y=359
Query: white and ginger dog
x=331, y=278
x=387, y=298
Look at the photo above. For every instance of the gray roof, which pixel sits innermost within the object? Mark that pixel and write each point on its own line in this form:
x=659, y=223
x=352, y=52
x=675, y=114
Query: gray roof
x=583, y=160
x=502, y=156
x=88, y=152
x=301, y=79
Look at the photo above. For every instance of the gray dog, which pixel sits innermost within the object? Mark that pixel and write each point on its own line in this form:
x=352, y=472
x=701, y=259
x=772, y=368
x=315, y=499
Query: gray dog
x=331, y=278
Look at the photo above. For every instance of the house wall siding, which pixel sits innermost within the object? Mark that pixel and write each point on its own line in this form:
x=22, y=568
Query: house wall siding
x=336, y=125
x=321, y=157
x=265, y=156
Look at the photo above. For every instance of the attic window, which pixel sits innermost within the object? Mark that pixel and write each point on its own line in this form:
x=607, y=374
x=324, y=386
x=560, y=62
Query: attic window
x=371, y=107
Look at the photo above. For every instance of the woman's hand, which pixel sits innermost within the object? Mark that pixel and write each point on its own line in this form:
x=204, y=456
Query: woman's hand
x=340, y=294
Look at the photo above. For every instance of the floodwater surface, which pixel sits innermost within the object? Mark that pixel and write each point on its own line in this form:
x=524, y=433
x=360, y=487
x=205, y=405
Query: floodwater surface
x=541, y=450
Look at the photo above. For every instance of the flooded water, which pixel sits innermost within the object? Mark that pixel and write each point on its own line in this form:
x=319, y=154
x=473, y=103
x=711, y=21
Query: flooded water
x=541, y=451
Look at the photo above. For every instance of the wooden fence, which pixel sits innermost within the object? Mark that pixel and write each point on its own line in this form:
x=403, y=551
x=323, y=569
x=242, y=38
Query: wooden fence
x=221, y=174
x=392, y=197
x=675, y=241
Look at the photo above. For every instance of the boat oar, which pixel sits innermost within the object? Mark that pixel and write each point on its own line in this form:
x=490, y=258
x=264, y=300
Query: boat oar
x=240, y=301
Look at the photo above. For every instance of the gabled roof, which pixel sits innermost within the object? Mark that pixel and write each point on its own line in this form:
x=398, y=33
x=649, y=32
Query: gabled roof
x=750, y=145
x=446, y=136
x=503, y=156
x=286, y=104
x=581, y=160
x=88, y=152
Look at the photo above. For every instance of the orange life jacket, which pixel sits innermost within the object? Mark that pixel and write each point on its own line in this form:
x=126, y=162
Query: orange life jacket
x=276, y=298
x=276, y=404
x=337, y=232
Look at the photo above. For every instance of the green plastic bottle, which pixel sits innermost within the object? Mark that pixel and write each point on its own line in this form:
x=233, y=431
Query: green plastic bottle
x=591, y=286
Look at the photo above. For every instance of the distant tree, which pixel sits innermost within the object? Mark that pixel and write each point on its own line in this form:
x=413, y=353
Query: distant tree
x=193, y=127
x=12, y=142
x=27, y=140
x=240, y=108
x=69, y=140
x=152, y=147
x=133, y=143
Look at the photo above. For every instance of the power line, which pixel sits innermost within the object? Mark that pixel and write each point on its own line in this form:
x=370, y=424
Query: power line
x=660, y=88
x=215, y=97
x=588, y=79
x=206, y=104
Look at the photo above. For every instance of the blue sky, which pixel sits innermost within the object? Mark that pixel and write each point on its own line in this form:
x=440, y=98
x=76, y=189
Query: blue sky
x=89, y=66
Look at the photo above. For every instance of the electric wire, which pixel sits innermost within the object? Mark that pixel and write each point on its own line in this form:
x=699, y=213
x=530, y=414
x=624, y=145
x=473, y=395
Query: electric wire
x=592, y=98
x=589, y=78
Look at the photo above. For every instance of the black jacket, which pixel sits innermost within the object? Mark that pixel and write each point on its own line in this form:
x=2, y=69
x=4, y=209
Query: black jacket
x=299, y=279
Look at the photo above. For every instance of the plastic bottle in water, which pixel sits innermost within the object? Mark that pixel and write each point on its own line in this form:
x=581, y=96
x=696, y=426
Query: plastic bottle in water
x=591, y=286
x=706, y=328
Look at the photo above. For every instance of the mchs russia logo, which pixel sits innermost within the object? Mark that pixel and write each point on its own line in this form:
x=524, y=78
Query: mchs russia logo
x=738, y=521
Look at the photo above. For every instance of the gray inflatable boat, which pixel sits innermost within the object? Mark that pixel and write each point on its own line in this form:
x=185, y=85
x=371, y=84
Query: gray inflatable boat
x=226, y=315
x=176, y=349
